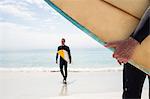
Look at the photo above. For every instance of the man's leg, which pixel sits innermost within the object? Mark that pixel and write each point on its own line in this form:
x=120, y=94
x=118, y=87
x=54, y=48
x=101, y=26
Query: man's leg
x=61, y=69
x=66, y=71
x=133, y=80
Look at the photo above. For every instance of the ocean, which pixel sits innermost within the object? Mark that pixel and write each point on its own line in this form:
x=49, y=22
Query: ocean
x=92, y=59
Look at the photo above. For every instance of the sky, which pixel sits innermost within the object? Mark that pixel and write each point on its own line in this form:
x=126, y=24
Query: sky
x=33, y=24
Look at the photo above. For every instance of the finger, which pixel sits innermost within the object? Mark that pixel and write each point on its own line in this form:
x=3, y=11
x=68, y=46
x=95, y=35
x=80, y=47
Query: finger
x=123, y=60
x=121, y=53
x=112, y=44
x=108, y=45
x=116, y=53
x=113, y=55
x=119, y=62
x=125, y=56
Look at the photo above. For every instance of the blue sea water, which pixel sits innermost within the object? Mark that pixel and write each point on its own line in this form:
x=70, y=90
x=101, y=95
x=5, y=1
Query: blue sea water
x=94, y=58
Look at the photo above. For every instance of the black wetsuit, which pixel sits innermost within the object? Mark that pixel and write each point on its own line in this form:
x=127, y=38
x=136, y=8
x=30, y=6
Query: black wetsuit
x=133, y=78
x=63, y=63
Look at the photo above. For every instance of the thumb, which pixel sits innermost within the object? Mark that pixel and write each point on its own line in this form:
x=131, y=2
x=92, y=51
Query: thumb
x=112, y=44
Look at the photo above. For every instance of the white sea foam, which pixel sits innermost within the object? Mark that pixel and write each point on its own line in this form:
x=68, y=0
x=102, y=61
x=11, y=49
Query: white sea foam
x=43, y=69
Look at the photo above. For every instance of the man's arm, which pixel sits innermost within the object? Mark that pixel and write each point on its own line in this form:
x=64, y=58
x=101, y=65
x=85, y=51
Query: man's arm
x=124, y=49
x=142, y=30
x=69, y=53
x=57, y=55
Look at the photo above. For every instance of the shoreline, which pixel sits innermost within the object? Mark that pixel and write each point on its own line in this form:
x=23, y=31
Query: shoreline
x=41, y=69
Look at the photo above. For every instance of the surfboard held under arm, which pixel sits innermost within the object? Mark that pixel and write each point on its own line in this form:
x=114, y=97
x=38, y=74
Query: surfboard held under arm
x=64, y=55
x=108, y=20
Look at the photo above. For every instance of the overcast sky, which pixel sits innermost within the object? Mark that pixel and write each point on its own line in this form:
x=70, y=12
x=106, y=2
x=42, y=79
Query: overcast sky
x=33, y=24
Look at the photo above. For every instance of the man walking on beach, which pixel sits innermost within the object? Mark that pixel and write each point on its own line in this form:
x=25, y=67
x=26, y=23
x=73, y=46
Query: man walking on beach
x=63, y=63
x=133, y=78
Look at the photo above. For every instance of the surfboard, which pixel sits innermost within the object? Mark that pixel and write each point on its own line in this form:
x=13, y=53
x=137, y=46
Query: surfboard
x=108, y=20
x=64, y=55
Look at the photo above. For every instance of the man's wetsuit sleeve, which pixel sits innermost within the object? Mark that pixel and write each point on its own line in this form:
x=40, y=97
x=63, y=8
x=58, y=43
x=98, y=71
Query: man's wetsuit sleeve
x=69, y=55
x=57, y=54
x=142, y=30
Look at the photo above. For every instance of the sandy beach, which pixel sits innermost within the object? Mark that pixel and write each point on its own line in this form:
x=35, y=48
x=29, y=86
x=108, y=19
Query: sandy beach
x=48, y=85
